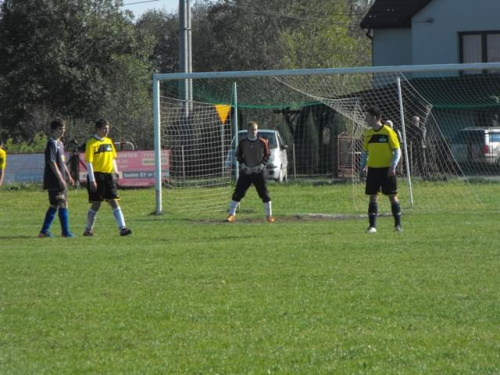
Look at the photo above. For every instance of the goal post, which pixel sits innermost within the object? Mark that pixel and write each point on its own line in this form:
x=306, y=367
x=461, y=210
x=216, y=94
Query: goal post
x=313, y=108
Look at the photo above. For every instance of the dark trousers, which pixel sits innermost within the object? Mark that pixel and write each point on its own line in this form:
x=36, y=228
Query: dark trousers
x=244, y=182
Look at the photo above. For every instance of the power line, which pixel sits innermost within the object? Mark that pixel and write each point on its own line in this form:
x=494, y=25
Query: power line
x=292, y=16
x=141, y=2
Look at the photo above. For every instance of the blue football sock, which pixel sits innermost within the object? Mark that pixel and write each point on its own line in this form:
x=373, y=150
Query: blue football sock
x=64, y=219
x=49, y=217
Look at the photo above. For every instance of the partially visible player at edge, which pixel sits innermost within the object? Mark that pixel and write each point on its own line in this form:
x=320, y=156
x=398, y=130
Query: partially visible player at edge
x=3, y=162
x=54, y=181
x=380, y=157
x=252, y=154
x=100, y=156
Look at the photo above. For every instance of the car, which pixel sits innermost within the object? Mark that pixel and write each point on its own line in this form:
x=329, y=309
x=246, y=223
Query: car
x=477, y=145
x=277, y=166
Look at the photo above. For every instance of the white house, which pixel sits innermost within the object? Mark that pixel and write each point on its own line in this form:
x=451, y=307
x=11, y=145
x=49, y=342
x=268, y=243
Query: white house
x=417, y=32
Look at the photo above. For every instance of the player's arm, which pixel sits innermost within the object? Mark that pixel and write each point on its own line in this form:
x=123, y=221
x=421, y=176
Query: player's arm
x=362, y=162
x=267, y=152
x=116, y=172
x=1, y=176
x=70, y=178
x=396, y=152
x=91, y=176
x=240, y=157
x=364, y=155
x=239, y=153
x=89, y=160
x=396, y=155
x=57, y=173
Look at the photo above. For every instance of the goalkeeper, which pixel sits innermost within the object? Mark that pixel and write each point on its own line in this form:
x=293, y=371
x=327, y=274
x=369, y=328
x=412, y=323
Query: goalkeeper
x=252, y=154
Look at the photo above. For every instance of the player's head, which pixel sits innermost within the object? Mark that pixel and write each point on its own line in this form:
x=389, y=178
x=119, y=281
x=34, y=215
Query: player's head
x=102, y=127
x=415, y=120
x=373, y=115
x=253, y=129
x=57, y=127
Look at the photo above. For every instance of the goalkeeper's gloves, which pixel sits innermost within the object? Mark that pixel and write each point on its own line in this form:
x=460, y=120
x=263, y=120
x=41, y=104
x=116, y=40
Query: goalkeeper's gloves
x=258, y=168
x=245, y=168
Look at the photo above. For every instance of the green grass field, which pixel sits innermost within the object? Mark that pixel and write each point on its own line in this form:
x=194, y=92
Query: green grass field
x=189, y=294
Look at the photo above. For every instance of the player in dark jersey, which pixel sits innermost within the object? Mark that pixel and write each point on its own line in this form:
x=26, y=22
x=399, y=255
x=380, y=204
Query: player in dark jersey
x=381, y=154
x=54, y=181
x=252, y=154
x=100, y=156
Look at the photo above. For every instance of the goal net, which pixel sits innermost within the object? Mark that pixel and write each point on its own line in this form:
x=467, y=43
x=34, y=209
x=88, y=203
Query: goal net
x=321, y=116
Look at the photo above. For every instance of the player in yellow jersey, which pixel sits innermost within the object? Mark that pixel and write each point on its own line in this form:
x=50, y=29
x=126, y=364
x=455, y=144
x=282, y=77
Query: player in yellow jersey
x=100, y=156
x=380, y=157
x=3, y=162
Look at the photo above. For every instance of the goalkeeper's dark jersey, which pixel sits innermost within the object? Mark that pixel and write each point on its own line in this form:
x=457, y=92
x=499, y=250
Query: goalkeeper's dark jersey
x=253, y=152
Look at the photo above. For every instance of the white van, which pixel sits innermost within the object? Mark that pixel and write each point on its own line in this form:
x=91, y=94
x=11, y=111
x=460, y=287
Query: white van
x=277, y=167
x=477, y=145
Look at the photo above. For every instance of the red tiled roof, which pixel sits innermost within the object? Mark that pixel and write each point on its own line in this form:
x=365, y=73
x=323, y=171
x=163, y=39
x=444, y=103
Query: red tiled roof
x=392, y=13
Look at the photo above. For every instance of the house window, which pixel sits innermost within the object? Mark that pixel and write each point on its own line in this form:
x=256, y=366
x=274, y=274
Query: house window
x=479, y=47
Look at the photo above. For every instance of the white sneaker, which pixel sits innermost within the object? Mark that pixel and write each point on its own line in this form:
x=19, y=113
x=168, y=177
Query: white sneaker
x=398, y=228
x=371, y=230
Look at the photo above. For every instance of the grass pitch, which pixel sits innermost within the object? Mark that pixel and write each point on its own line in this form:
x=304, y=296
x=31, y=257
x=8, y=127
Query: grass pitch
x=194, y=295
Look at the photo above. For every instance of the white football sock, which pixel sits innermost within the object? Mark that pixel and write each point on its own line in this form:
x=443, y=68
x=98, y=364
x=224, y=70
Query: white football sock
x=233, y=205
x=120, y=220
x=91, y=218
x=268, y=208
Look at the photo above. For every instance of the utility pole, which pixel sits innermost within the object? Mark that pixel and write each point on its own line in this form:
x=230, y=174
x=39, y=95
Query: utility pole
x=185, y=54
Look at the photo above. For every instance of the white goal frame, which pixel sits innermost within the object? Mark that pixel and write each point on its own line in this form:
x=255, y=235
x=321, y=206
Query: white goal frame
x=188, y=77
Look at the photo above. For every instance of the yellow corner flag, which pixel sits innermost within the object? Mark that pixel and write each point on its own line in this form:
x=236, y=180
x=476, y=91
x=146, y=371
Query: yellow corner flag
x=223, y=111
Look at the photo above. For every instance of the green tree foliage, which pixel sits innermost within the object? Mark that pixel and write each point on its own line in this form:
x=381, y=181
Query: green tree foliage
x=62, y=56
x=163, y=28
x=36, y=144
x=84, y=59
x=324, y=37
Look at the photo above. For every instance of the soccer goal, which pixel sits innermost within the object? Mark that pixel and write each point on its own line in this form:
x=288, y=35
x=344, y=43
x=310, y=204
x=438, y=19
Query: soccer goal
x=320, y=114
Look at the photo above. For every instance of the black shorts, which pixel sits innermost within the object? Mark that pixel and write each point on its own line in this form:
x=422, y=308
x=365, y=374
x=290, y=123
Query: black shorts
x=378, y=180
x=57, y=196
x=106, y=188
x=245, y=181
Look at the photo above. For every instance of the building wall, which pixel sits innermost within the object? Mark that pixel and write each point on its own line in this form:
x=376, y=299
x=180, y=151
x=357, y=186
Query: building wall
x=392, y=47
x=436, y=41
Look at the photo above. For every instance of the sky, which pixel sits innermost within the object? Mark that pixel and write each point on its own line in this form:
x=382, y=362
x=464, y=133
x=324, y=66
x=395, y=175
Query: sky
x=138, y=7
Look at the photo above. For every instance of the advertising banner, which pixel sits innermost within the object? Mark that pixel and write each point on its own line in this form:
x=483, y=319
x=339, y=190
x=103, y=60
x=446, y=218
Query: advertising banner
x=137, y=168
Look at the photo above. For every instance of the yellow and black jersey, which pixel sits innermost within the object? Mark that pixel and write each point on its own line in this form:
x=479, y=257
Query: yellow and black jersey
x=379, y=144
x=3, y=159
x=100, y=152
